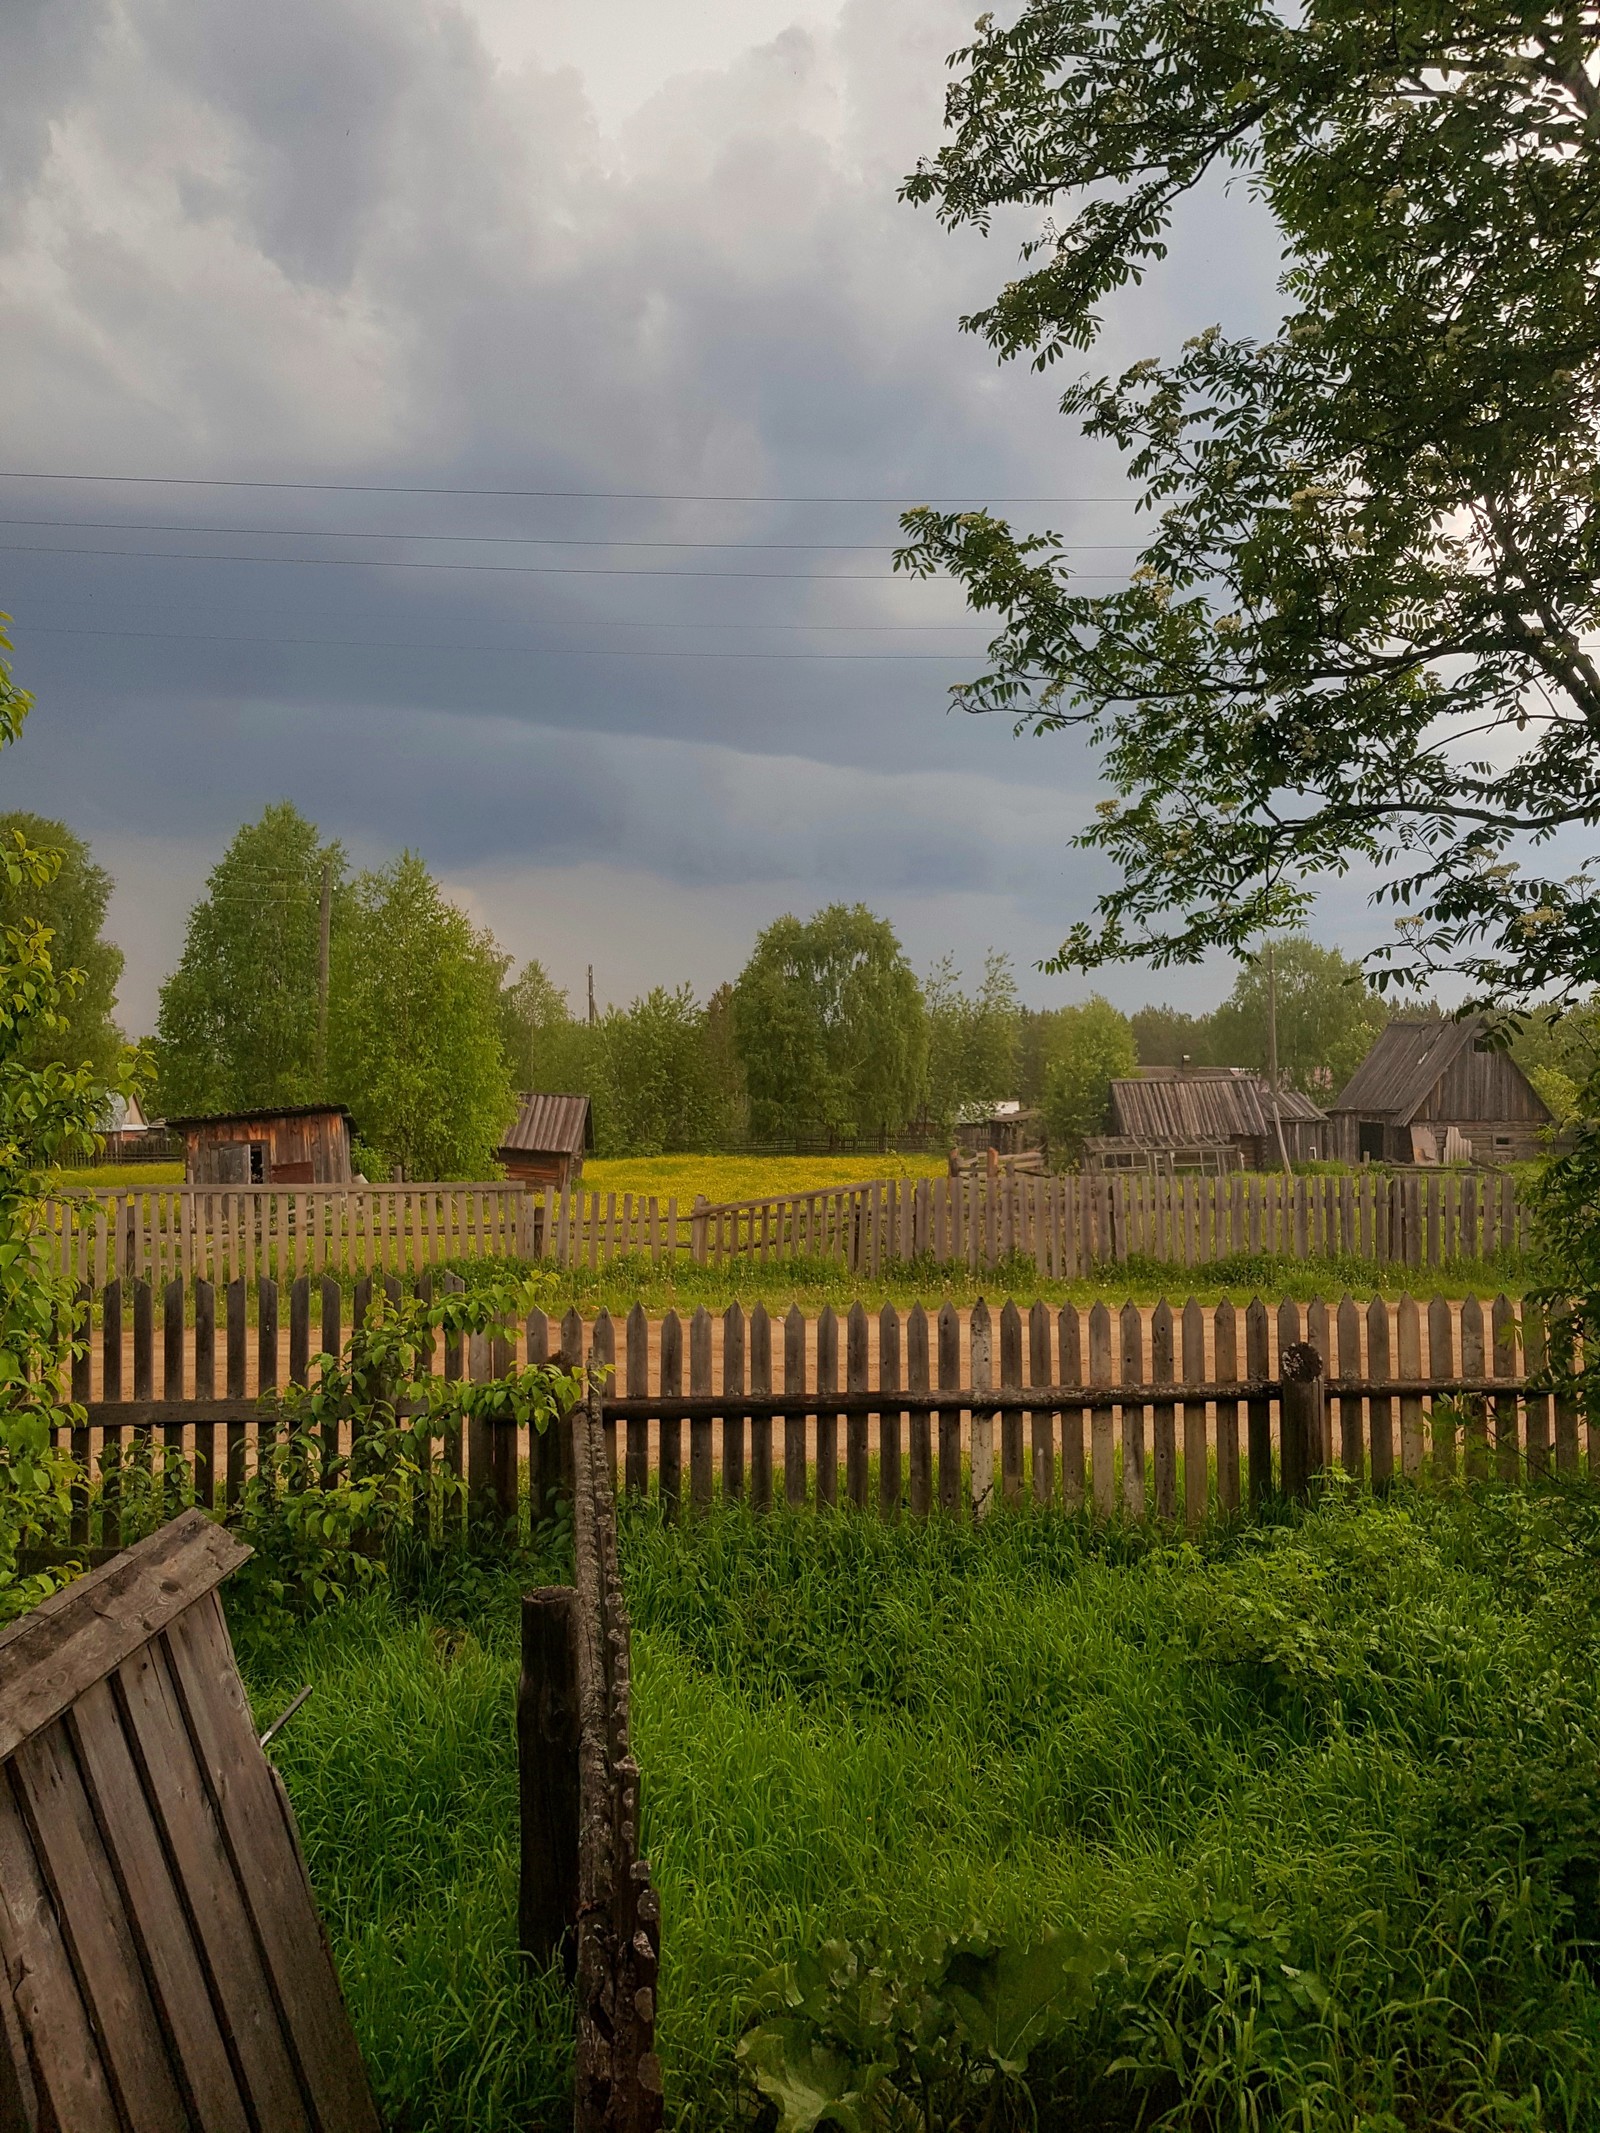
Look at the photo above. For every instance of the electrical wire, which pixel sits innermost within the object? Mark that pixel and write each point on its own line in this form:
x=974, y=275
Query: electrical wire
x=542, y=651
x=659, y=496
x=516, y=570
x=489, y=540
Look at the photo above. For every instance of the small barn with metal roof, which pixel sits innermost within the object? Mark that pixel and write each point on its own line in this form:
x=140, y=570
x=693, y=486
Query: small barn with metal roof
x=548, y=1141
x=1207, y=1118
x=1432, y=1091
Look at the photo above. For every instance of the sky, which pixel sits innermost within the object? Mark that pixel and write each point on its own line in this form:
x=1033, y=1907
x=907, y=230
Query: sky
x=533, y=387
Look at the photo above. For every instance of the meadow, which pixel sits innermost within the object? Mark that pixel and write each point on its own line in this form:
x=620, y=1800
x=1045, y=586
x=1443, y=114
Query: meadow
x=1313, y=1800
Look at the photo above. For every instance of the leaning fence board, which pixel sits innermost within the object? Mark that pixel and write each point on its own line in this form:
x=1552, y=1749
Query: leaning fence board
x=147, y=1853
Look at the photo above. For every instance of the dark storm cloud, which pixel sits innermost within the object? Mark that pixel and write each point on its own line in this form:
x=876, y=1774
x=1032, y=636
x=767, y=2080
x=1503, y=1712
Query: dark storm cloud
x=332, y=239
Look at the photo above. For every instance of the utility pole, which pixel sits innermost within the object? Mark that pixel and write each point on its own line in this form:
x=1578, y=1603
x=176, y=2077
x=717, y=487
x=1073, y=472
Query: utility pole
x=593, y=1017
x=1272, y=1050
x=324, y=945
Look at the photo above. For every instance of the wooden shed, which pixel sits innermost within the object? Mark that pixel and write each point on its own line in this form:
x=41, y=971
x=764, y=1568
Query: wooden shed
x=1431, y=1091
x=307, y=1144
x=1199, y=1109
x=548, y=1141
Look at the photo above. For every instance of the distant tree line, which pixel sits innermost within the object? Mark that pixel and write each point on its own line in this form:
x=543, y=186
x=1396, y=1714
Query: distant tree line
x=429, y=1034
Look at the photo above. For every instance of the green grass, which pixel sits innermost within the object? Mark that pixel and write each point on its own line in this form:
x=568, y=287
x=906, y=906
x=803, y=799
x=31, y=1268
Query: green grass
x=747, y=1177
x=1362, y=1747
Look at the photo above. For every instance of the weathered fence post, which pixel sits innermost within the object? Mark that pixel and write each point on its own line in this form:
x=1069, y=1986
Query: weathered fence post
x=547, y=1775
x=1300, y=1417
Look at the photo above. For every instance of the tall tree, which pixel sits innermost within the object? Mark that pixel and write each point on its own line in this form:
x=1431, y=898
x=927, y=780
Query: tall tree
x=72, y=904
x=1362, y=629
x=1165, y=1036
x=415, y=1029
x=1328, y=1016
x=656, y=1084
x=1089, y=1046
x=830, y=1026
x=973, y=1038
x=238, y=1021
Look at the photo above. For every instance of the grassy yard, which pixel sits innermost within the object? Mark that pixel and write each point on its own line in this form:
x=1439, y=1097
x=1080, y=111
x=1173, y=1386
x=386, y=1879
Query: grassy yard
x=1322, y=1799
x=746, y=1177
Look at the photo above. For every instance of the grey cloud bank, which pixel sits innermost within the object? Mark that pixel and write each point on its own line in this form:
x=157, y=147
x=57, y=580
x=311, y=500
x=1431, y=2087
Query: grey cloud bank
x=376, y=241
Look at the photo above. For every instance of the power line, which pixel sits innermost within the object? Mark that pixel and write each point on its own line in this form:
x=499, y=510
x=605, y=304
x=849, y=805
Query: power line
x=489, y=540
x=543, y=651
x=516, y=570
x=655, y=496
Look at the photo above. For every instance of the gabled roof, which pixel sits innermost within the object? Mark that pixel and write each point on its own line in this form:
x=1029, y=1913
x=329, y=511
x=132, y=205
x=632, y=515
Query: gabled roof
x=550, y=1125
x=1405, y=1062
x=1174, y=1105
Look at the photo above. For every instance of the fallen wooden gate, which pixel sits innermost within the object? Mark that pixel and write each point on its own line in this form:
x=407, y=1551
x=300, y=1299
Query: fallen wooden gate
x=164, y=1969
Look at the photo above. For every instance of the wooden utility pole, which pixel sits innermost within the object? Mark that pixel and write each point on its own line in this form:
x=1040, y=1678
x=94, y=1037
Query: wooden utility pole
x=593, y=1017
x=547, y=1760
x=1272, y=1050
x=324, y=947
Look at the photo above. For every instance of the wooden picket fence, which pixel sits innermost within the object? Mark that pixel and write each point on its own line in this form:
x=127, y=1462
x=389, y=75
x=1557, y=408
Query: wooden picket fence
x=1151, y=1410
x=1067, y=1226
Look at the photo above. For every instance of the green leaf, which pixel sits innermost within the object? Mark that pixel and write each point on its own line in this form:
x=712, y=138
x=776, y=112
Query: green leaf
x=811, y=2083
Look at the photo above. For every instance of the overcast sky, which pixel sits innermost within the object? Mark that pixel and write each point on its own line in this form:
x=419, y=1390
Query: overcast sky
x=587, y=246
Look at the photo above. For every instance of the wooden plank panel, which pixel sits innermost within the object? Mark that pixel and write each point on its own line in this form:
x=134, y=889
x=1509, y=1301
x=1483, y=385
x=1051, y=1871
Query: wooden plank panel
x=795, y=1464
x=43, y=1989
x=134, y=1845
x=827, y=1419
x=1352, y=1450
x=1163, y=1370
x=269, y=1871
x=229, y=1949
x=1133, y=1439
x=669, y=1471
x=733, y=1419
x=94, y=1924
x=980, y=1337
x=1380, y=1412
x=857, y=1442
x=1408, y=1365
x=950, y=1492
x=1069, y=1362
x=1503, y=1364
x=1041, y=1421
x=1259, y=1410
x=1011, y=1416
x=700, y=1476
x=919, y=1379
x=1441, y=1364
x=1102, y=1437
x=760, y=1331
x=1538, y=1404
x=889, y=1418
x=1196, y=1461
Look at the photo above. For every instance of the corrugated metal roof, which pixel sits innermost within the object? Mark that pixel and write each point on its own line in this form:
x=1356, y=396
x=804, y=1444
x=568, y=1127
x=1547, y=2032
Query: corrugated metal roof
x=1210, y=1104
x=551, y=1125
x=1404, y=1063
x=266, y=1111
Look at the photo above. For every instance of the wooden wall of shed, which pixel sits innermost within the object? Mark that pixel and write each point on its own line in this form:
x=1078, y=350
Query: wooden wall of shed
x=321, y=1139
x=1482, y=1085
x=539, y=1168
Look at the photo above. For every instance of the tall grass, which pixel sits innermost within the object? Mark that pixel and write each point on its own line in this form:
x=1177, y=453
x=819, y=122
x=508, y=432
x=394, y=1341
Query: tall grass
x=1323, y=1793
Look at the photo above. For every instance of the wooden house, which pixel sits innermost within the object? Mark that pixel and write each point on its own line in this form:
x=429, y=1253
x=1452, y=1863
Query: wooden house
x=1431, y=1091
x=547, y=1142
x=1206, y=1118
x=306, y=1144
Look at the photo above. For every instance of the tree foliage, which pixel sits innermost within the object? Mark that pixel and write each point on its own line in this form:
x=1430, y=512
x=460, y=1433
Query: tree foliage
x=1328, y=1016
x=1089, y=1046
x=48, y=1109
x=415, y=1027
x=1361, y=629
x=655, y=1083
x=72, y=904
x=237, y=1024
x=830, y=1027
x=973, y=1038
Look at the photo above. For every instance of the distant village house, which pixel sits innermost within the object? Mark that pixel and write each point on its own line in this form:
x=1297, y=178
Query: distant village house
x=547, y=1142
x=1207, y=1119
x=1430, y=1091
x=306, y=1144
